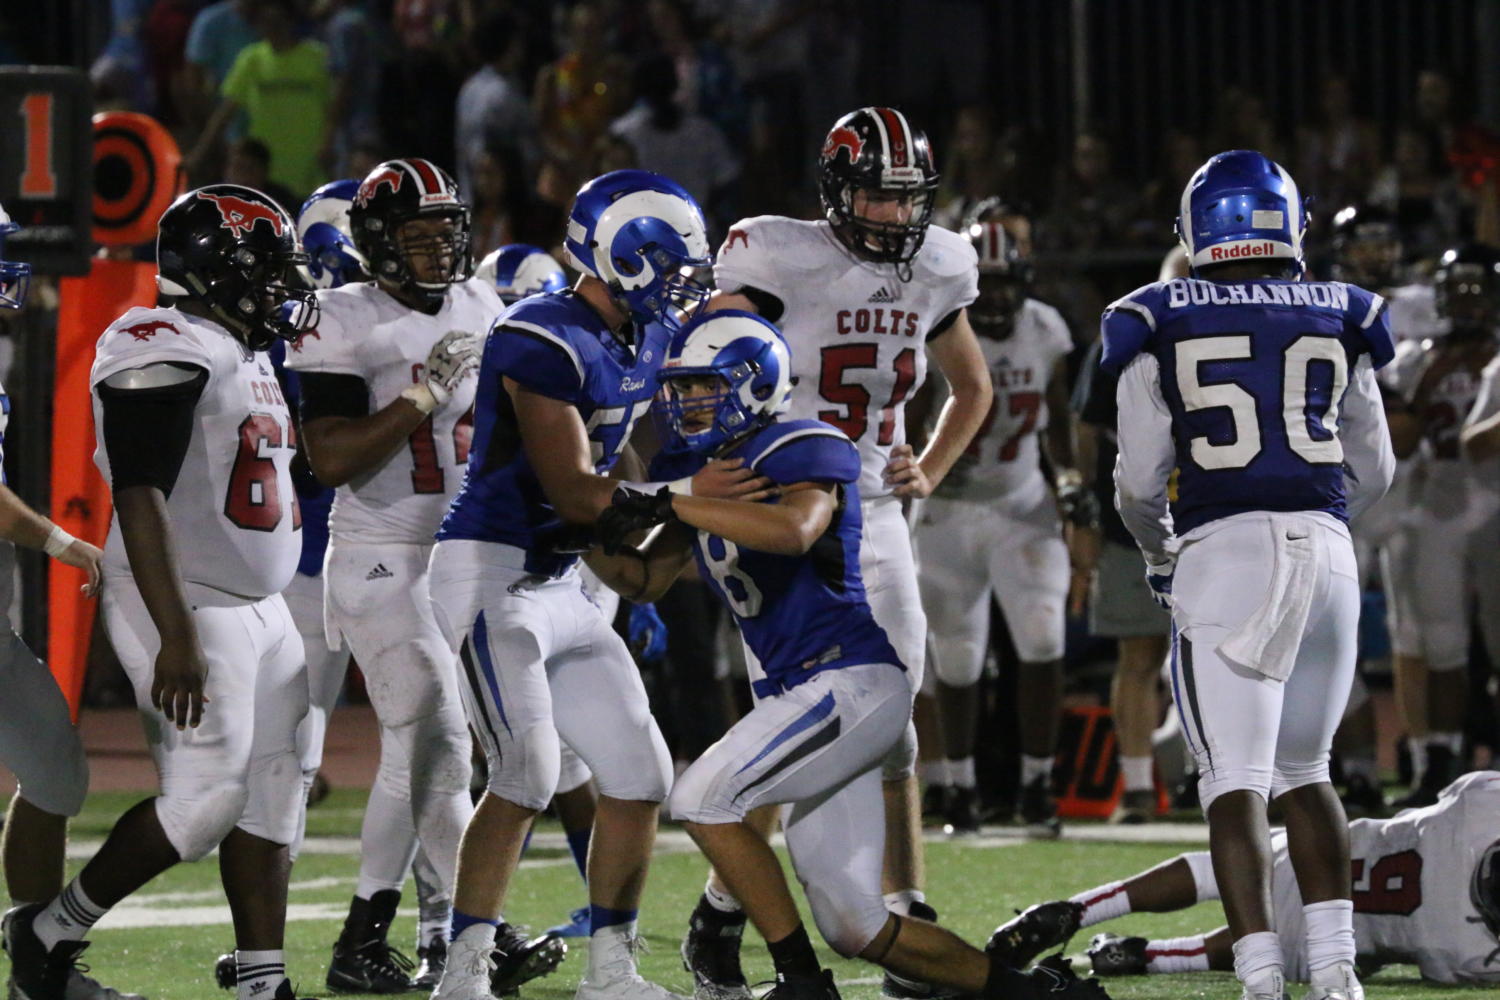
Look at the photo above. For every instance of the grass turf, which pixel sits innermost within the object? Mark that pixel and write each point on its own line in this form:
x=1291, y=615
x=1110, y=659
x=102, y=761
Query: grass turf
x=974, y=888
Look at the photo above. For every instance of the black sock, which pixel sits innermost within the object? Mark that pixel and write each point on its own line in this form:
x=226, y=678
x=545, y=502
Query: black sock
x=793, y=955
x=356, y=924
x=707, y=916
x=922, y=911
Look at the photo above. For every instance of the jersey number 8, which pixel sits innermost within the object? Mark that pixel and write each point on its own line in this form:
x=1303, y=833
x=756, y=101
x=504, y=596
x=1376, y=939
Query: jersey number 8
x=1297, y=405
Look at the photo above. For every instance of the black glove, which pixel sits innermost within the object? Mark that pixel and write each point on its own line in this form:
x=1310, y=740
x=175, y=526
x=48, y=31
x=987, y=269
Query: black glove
x=1079, y=505
x=629, y=512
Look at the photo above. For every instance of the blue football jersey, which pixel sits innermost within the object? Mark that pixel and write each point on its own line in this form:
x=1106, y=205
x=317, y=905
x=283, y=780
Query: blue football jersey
x=313, y=498
x=1253, y=373
x=799, y=614
x=558, y=346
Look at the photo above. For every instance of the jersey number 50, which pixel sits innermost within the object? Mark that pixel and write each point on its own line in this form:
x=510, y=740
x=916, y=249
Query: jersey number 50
x=1297, y=406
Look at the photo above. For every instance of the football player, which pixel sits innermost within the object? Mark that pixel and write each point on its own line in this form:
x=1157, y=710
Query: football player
x=863, y=296
x=994, y=519
x=519, y=270
x=1435, y=383
x=831, y=695
x=563, y=380
x=196, y=442
x=1426, y=892
x=387, y=393
x=38, y=741
x=1258, y=389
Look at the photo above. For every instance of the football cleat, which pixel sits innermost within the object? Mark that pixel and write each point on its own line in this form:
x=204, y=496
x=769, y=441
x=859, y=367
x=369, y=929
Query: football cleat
x=897, y=987
x=1114, y=955
x=35, y=972
x=819, y=987
x=430, y=962
x=1136, y=807
x=617, y=979
x=1039, y=809
x=1339, y=982
x=1268, y=985
x=961, y=817
x=224, y=972
x=579, y=925
x=286, y=991
x=1037, y=929
x=711, y=952
x=372, y=967
x=934, y=802
x=519, y=959
x=470, y=963
x=79, y=986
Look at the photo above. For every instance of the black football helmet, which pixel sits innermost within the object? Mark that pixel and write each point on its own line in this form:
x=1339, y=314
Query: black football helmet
x=877, y=150
x=395, y=193
x=1466, y=289
x=1484, y=890
x=235, y=251
x=1005, y=279
x=1366, y=246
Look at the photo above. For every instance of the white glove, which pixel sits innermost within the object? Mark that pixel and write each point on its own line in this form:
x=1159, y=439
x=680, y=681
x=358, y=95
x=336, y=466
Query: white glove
x=449, y=361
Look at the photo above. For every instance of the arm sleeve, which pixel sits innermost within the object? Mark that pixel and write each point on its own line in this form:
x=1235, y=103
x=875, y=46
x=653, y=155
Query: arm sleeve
x=147, y=431
x=537, y=358
x=944, y=325
x=1369, y=462
x=329, y=395
x=1146, y=456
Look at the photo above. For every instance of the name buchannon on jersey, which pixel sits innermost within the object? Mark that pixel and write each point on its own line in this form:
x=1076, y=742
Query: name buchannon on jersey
x=1182, y=292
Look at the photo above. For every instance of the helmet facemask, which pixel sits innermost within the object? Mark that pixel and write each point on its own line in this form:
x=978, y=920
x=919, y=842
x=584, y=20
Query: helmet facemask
x=15, y=277
x=1468, y=296
x=424, y=261
x=993, y=314
x=706, y=408
x=264, y=299
x=893, y=224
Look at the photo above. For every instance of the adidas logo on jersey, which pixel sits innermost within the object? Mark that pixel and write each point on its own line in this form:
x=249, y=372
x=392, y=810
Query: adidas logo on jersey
x=883, y=294
x=379, y=573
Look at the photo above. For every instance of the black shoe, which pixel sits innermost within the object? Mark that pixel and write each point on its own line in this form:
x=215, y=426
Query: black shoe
x=431, y=961
x=35, y=972
x=225, y=972
x=711, y=952
x=1053, y=978
x=1440, y=767
x=1185, y=796
x=286, y=991
x=897, y=987
x=961, y=817
x=1039, y=808
x=1038, y=928
x=1135, y=808
x=935, y=803
x=363, y=960
x=819, y=987
x=1363, y=798
x=1113, y=955
x=519, y=959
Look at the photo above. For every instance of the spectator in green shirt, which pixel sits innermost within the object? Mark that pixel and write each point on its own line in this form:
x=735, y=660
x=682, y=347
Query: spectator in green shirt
x=284, y=87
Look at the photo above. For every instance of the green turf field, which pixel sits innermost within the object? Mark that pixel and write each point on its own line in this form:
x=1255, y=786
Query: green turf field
x=975, y=888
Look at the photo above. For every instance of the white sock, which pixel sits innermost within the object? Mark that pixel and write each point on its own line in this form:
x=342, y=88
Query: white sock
x=720, y=900
x=387, y=842
x=1258, y=962
x=1106, y=902
x=1330, y=933
x=608, y=945
x=1137, y=771
x=934, y=772
x=899, y=902
x=1033, y=768
x=68, y=917
x=961, y=772
x=258, y=973
x=1417, y=747
x=1184, y=954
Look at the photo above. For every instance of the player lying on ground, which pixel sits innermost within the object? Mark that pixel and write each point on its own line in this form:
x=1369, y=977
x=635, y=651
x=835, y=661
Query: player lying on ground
x=1426, y=891
x=831, y=693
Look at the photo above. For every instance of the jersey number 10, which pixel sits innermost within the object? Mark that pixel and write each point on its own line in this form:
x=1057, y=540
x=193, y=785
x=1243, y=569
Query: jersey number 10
x=1297, y=407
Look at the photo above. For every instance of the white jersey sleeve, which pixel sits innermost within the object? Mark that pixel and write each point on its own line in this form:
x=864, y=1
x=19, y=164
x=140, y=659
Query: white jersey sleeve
x=333, y=347
x=1487, y=403
x=950, y=263
x=1369, y=461
x=144, y=336
x=1146, y=455
x=760, y=253
x=1404, y=372
x=1413, y=313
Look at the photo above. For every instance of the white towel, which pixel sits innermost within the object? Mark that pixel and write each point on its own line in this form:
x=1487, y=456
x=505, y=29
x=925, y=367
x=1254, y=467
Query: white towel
x=1267, y=641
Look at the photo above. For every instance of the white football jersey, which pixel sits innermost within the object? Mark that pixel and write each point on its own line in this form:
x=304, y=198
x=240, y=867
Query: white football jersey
x=857, y=333
x=1002, y=462
x=365, y=332
x=1413, y=312
x=1412, y=878
x=233, y=510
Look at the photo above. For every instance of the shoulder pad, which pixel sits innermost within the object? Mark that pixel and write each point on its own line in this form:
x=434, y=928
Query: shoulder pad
x=792, y=243
x=794, y=451
x=1127, y=327
x=144, y=336
x=945, y=254
x=153, y=375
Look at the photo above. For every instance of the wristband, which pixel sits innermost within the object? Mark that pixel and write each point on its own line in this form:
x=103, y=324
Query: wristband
x=57, y=542
x=420, y=396
x=681, y=487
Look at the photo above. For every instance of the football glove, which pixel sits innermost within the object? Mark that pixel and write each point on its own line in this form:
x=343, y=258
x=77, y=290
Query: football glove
x=1159, y=577
x=647, y=633
x=1078, y=504
x=631, y=511
x=450, y=359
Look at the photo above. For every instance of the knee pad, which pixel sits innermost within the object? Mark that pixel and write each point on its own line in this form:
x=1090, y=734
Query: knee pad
x=1205, y=883
x=900, y=762
x=573, y=772
x=1215, y=781
x=526, y=774
x=437, y=756
x=701, y=795
x=197, y=822
x=847, y=919
x=638, y=771
x=276, y=802
x=1290, y=776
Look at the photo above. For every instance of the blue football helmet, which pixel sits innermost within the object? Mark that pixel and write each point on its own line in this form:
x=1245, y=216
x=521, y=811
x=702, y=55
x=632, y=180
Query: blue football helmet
x=519, y=270
x=637, y=232
x=1241, y=205
x=323, y=225
x=15, y=277
x=750, y=357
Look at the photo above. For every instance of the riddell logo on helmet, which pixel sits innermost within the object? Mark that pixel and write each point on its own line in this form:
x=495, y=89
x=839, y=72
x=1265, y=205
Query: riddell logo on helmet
x=1235, y=251
x=240, y=214
x=371, y=185
x=844, y=138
